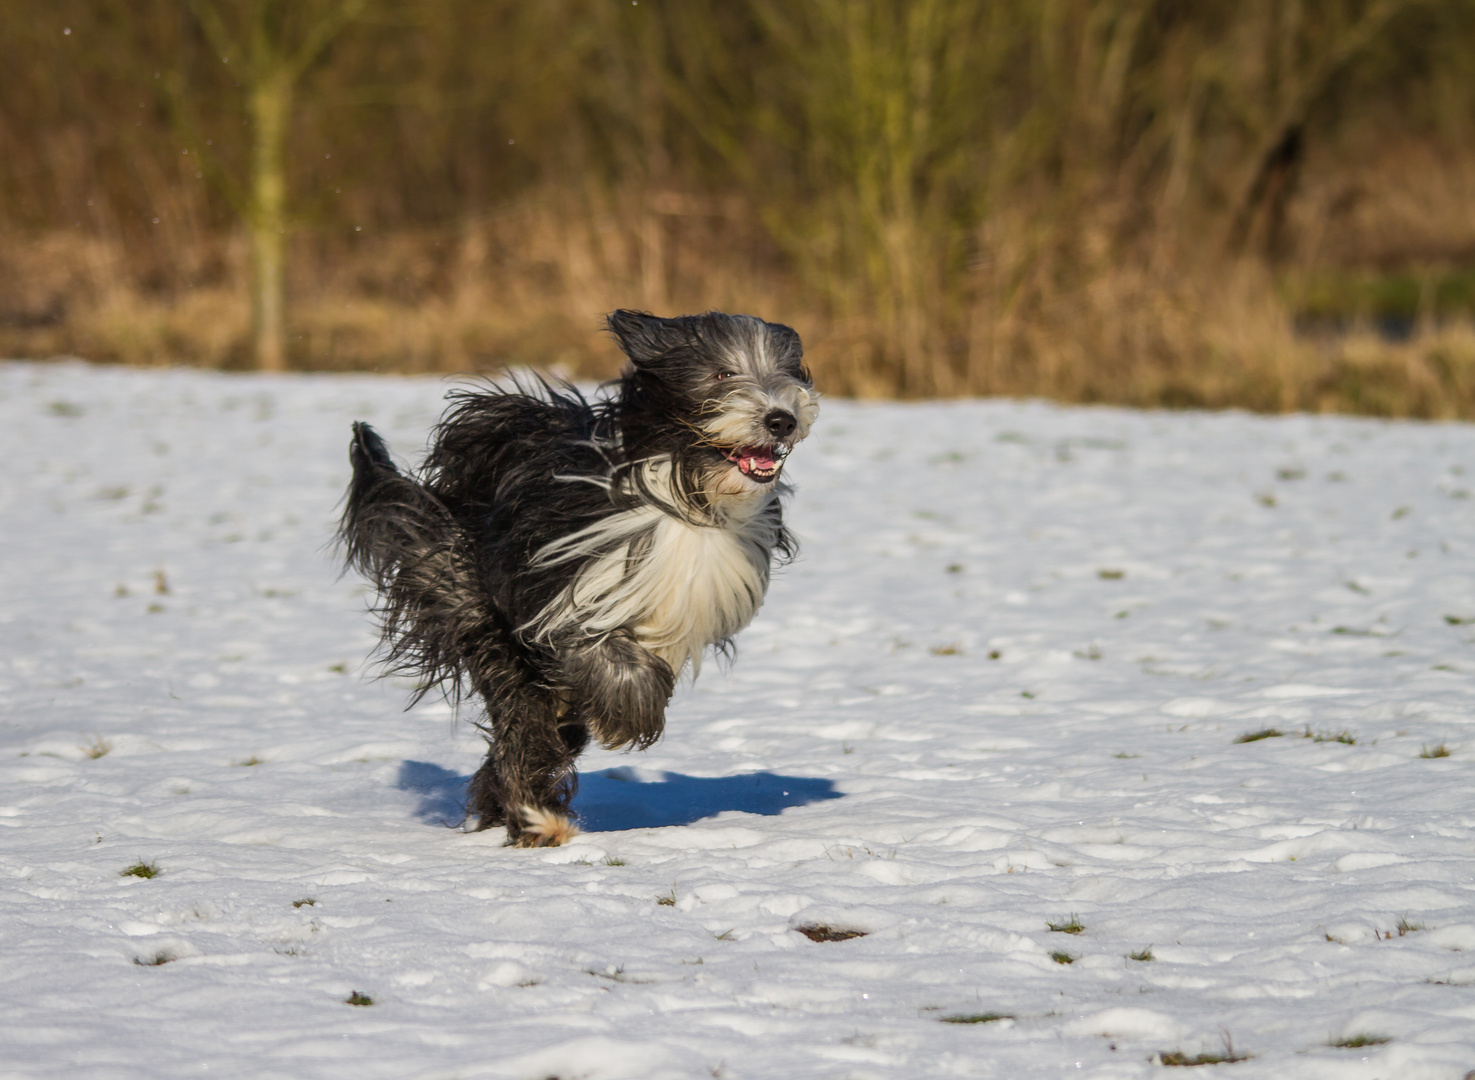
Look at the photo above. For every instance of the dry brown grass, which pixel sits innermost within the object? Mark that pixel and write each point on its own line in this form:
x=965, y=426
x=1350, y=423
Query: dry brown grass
x=527, y=286
x=1202, y=205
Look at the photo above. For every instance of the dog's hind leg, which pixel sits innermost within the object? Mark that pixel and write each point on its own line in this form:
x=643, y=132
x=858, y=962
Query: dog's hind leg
x=484, y=793
x=528, y=778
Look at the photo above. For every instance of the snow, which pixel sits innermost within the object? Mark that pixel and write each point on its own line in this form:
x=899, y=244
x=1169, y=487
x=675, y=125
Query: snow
x=1000, y=687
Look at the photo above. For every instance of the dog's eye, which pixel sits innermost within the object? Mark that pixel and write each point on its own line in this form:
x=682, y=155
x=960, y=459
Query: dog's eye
x=723, y=375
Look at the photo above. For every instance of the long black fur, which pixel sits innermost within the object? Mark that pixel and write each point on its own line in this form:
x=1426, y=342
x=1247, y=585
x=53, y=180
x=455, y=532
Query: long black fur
x=451, y=549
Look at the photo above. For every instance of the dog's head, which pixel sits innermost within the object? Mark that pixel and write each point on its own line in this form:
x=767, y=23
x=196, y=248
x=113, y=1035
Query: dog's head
x=727, y=396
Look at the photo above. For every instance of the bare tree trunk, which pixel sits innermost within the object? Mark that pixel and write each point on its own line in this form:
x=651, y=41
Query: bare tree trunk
x=270, y=44
x=266, y=218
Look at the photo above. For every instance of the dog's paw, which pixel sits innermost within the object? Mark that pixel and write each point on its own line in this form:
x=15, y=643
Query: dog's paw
x=544, y=828
x=623, y=689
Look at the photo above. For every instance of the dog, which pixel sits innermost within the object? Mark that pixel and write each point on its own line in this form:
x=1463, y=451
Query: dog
x=566, y=559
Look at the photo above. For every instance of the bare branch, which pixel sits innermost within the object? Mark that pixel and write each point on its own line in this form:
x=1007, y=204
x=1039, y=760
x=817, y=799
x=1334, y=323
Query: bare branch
x=321, y=34
x=219, y=36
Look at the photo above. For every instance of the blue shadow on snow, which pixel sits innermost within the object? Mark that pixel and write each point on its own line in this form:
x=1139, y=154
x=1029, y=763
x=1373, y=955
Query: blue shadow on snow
x=613, y=800
x=442, y=791
x=625, y=798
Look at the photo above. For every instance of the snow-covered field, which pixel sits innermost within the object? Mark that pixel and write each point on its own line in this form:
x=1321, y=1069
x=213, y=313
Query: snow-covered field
x=1001, y=687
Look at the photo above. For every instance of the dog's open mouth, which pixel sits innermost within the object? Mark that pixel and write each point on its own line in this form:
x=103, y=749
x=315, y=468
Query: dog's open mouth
x=760, y=463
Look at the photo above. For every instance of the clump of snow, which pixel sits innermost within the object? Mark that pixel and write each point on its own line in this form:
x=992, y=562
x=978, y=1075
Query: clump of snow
x=1000, y=688
x=1127, y=1022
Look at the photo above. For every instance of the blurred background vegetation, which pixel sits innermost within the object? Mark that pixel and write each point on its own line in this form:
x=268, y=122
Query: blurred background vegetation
x=1258, y=203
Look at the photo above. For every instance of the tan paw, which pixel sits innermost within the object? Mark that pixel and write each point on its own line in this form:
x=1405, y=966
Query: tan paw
x=544, y=828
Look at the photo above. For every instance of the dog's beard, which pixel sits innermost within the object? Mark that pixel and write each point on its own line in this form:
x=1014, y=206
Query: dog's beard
x=752, y=458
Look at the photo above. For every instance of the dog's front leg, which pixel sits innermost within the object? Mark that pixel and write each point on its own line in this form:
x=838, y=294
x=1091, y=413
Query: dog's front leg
x=620, y=690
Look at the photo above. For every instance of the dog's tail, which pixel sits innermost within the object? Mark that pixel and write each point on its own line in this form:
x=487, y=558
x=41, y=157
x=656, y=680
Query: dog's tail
x=385, y=509
x=402, y=538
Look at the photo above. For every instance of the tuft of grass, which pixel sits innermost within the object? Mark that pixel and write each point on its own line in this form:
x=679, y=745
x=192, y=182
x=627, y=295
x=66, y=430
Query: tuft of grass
x=1406, y=927
x=339, y=668
x=612, y=860
x=667, y=900
x=617, y=974
x=1346, y=738
x=159, y=959
x=1177, y=1057
x=355, y=998
x=726, y=935
x=98, y=747
x=945, y=650
x=1073, y=925
x=141, y=869
x=820, y=932
x=1062, y=958
x=1358, y=1041
x=65, y=408
x=955, y=568
x=306, y=901
x=1437, y=751
x=1111, y=575
x=252, y=760
x=975, y=1018
x=1459, y=620
x=1256, y=736
x=161, y=583
x=1126, y=756
x=994, y=654
x=1142, y=955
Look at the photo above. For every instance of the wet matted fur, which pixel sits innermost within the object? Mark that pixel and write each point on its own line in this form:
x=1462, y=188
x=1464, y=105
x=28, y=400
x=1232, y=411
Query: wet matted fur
x=565, y=558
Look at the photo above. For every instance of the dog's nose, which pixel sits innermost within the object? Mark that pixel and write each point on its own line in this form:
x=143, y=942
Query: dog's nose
x=780, y=424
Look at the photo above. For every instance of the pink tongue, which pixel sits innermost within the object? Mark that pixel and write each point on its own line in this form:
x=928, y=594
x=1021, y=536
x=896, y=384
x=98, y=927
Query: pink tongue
x=757, y=461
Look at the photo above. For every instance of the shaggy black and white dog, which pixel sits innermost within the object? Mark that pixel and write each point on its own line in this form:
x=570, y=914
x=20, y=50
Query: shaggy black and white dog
x=566, y=559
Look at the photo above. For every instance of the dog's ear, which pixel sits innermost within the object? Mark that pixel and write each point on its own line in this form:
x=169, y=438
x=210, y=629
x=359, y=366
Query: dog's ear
x=644, y=337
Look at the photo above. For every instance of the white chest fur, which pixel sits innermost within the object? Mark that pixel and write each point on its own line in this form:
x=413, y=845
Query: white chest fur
x=679, y=586
x=706, y=584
